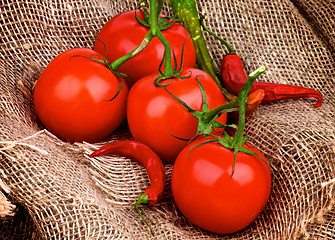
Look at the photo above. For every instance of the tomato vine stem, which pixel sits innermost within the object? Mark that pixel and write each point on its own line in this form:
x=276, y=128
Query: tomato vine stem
x=114, y=66
x=168, y=71
x=154, y=31
x=206, y=118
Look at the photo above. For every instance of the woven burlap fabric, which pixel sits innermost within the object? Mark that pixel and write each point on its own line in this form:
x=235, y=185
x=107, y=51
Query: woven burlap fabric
x=60, y=193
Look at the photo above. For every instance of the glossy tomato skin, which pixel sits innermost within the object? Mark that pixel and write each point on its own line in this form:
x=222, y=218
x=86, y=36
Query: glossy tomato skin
x=156, y=119
x=209, y=197
x=123, y=33
x=70, y=97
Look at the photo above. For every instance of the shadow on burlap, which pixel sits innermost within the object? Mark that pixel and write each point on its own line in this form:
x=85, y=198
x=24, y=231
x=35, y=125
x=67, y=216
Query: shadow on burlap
x=60, y=193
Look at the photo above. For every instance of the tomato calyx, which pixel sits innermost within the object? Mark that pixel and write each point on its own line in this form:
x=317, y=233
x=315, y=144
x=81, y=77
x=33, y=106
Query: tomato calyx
x=162, y=22
x=155, y=23
x=187, y=13
x=239, y=140
x=108, y=65
x=171, y=72
x=207, y=118
x=229, y=143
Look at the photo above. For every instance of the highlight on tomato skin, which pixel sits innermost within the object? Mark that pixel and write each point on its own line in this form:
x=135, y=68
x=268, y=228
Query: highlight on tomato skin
x=211, y=196
x=71, y=97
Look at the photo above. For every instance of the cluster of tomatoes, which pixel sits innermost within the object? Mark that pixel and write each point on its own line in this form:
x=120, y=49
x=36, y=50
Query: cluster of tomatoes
x=82, y=96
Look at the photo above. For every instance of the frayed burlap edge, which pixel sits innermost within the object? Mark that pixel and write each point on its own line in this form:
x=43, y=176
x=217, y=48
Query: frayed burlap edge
x=6, y=207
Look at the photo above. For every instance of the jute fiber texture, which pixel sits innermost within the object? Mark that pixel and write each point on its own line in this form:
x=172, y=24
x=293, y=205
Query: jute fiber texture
x=60, y=193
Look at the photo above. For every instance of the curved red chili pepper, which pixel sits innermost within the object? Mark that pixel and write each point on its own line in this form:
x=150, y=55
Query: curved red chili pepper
x=149, y=159
x=234, y=78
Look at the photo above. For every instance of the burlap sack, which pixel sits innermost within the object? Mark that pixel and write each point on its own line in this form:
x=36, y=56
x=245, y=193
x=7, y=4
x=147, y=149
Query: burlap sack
x=60, y=193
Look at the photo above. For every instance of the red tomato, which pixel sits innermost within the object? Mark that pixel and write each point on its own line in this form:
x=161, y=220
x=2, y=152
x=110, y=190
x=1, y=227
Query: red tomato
x=70, y=97
x=209, y=197
x=123, y=33
x=155, y=117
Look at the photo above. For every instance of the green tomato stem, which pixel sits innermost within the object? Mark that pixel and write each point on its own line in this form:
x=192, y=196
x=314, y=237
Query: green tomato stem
x=242, y=98
x=154, y=28
x=240, y=101
x=155, y=10
x=159, y=7
x=206, y=118
x=213, y=113
x=114, y=66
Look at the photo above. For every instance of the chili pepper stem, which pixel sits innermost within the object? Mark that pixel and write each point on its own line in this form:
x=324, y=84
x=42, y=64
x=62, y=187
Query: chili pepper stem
x=229, y=48
x=143, y=199
x=149, y=159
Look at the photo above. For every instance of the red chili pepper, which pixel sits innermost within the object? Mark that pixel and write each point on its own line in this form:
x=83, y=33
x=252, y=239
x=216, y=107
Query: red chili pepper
x=234, y=78
x=253, y=101
x=149, y=159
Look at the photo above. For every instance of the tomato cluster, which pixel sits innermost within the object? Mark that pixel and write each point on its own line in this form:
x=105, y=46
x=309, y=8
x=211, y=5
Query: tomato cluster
x=73, y=95
x=85, y=94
